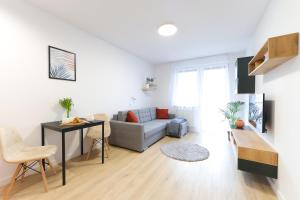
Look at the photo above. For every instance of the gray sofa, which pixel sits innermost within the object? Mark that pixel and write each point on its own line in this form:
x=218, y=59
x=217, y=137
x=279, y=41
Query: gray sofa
x=138, y=136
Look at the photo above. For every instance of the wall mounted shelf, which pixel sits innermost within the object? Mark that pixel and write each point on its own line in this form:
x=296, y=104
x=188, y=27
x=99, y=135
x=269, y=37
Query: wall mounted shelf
x=275, y=51
x=150, y=87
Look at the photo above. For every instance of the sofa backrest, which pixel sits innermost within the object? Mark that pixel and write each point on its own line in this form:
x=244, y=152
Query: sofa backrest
x=122, y=115
x=144, y=114
x=153, y=113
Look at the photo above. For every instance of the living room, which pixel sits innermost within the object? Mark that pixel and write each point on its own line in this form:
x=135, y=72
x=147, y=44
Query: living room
x=175, y=66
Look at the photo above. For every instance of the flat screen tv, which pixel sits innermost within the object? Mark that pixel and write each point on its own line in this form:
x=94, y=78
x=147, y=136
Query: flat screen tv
x=256, y=116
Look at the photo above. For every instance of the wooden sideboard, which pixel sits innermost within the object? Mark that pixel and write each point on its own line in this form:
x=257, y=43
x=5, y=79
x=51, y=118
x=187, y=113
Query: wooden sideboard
x=253, y=153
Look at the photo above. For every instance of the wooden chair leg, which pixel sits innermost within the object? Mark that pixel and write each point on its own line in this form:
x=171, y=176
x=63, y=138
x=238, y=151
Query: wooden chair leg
x=51, y=166
x=106, y=150
x=24, y=171
x=91, y=148
x=43, y=175
x=12, y=182
x=106, y=141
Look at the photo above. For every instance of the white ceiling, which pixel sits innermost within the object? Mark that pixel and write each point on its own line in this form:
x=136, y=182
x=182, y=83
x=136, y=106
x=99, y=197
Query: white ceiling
x=205, y=27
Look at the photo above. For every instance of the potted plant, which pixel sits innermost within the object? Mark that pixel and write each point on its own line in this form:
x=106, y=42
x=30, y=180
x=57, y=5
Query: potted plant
x=149, y=80
x=67, y=104
x=230, y=112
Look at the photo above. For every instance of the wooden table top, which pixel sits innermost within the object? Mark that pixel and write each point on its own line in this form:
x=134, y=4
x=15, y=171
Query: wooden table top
x=56, y=125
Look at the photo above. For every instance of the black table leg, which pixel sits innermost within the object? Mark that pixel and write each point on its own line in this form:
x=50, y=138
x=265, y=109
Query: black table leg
x=43, y=144
x=103, y=143
x=63, y=159
x=81, y=140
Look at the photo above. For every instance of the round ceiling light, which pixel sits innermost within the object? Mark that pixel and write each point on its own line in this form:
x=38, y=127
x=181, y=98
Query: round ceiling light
x=167, y=30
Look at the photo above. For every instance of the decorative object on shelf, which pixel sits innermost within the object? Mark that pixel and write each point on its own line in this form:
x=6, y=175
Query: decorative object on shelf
x=274, y=52
x=230, y=112
x=62, y=64
x=67, y=104
x=149, y=84
x=149, y=80
x=239, y=124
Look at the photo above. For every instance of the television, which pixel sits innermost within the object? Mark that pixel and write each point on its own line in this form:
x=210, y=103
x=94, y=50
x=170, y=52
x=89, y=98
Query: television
x=256, y=116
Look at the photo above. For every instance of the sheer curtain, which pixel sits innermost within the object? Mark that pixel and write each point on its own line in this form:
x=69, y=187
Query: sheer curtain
x=215, y=93
x=188, y=90
x=186, y=94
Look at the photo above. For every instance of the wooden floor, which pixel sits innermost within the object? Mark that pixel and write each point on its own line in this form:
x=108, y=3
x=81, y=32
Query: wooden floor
x=128, y=175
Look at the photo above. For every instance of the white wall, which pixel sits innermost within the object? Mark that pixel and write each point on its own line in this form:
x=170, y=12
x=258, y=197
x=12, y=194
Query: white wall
x=106, y=76
x=281, y=86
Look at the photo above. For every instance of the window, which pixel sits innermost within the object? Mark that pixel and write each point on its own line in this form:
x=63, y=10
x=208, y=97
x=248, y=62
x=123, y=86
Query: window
x=215, y=95
x=186, y=89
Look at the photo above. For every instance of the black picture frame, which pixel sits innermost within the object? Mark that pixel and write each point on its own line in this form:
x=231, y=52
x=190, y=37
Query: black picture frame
x=61, y=72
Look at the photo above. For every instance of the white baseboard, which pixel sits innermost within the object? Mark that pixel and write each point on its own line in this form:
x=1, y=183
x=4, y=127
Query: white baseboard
x=276, y=190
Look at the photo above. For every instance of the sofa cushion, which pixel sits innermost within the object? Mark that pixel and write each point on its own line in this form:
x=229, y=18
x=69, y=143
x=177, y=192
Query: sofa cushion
x=153, y=127
x=162, y=113
x=153, y=113
x=144, y=115
x=131, y=117
x=122, y=115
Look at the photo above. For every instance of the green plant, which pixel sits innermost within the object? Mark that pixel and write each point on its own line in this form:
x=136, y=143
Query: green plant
x=149, y=80
x=232, y=108
x=67, y=104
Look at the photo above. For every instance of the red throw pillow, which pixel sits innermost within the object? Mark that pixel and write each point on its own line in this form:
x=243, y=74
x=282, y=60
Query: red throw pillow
x=131, y=117
x=162, y=113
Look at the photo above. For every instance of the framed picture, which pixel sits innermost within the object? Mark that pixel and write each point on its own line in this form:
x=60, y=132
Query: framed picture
x=62, y=64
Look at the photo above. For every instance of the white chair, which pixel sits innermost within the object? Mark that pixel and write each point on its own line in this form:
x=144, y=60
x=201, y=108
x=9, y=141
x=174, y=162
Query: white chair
x=95, y=133
x=15, y=151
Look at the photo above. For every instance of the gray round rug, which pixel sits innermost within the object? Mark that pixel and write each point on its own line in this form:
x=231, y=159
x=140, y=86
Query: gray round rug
x=185, y=151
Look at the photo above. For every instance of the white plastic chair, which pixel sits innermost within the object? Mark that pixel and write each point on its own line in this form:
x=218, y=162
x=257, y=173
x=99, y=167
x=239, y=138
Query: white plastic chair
x=15, y=151
x=95, y=133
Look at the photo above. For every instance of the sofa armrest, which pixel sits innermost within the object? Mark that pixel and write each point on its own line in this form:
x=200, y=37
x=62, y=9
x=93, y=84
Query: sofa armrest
x=127, y=135
x=172, y=116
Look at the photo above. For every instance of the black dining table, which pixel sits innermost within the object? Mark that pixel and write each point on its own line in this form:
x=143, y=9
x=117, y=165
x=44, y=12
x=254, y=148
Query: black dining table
x=58, y=128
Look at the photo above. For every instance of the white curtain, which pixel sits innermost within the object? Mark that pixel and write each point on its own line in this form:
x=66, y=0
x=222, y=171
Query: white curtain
x=215, y=95
x=187, y=88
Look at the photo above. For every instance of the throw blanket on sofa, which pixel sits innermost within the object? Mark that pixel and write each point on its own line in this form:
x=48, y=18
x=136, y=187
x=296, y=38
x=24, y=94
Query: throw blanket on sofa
x=174, y=126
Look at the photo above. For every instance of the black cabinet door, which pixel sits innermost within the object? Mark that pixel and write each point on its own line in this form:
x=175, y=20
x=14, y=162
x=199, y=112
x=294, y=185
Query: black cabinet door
x=244, y=84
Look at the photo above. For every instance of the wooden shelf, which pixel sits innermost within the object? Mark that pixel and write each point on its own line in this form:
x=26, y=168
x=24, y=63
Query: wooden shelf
x=252, y=147
x=254, y=154
x=274, y=52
